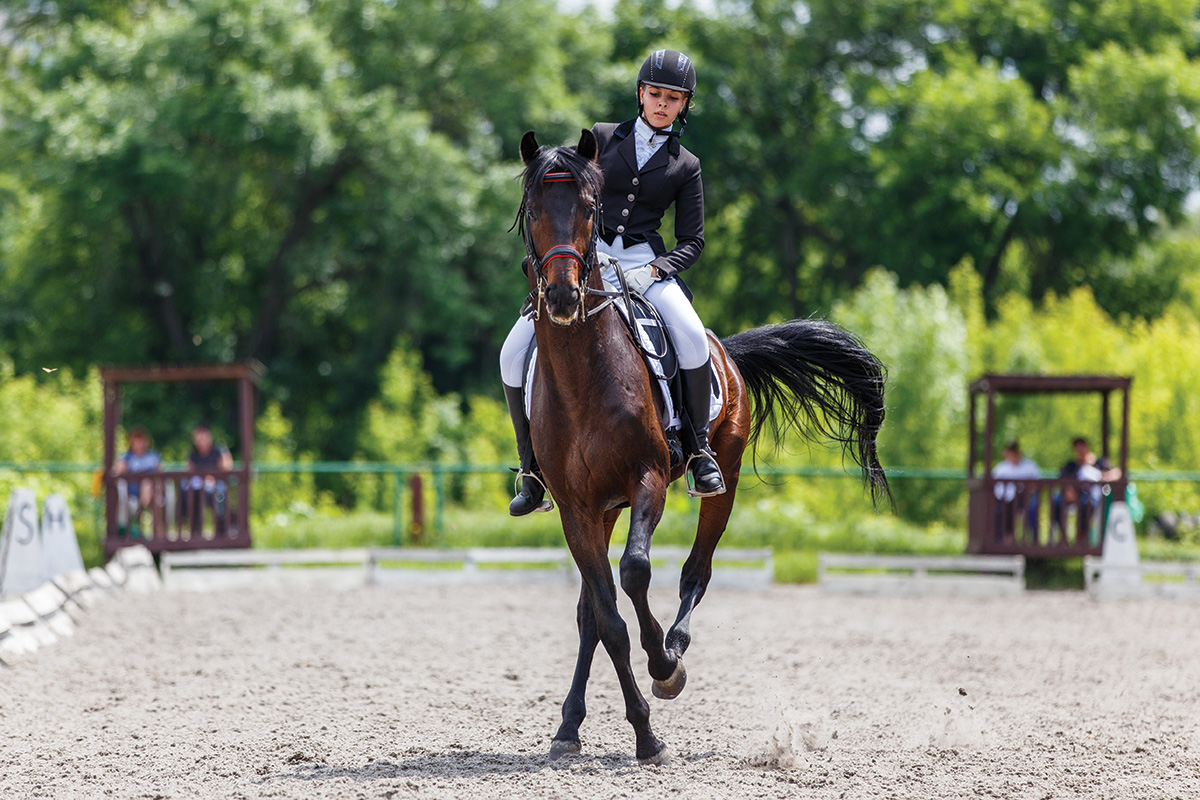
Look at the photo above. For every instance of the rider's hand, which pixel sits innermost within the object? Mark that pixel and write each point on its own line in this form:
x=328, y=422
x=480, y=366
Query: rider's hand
x=641, y=278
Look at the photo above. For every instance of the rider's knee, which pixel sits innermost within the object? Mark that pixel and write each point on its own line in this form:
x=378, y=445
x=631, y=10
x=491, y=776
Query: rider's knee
x=512, y=354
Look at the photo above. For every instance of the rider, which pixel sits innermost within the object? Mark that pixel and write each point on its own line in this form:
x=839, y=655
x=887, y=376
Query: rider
x=645, y=171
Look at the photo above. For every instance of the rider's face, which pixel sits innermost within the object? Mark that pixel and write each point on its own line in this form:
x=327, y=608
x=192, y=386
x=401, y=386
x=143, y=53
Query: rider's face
x=661, y=106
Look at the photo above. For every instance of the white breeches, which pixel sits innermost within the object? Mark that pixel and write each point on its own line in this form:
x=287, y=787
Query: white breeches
x=682, y=321
x=512, y=355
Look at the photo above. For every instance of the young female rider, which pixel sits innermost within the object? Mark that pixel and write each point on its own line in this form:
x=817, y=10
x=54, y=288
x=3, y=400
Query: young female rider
x=645, y=171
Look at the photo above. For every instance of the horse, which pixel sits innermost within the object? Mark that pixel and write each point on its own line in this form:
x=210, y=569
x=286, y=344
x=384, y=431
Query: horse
x=596, y=426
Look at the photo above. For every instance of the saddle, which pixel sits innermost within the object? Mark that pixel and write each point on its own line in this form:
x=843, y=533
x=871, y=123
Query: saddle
x=653, y=341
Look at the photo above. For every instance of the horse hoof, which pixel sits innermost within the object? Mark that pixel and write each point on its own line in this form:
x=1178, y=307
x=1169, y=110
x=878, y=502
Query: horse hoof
x=562, y=747
x=657, y=760
x=672, y=686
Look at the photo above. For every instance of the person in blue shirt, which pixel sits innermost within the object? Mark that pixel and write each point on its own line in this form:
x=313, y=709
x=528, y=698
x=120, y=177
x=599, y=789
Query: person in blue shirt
x=137, y=464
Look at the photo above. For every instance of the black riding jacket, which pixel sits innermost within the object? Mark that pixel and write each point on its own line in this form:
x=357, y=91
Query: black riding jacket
x=635, y=201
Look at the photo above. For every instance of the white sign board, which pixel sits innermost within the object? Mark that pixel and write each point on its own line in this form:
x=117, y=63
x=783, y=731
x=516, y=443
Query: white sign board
x=20, y=545
x=1119, y=562
x=60, y=548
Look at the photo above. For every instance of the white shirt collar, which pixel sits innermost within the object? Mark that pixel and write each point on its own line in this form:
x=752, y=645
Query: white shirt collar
x=645, y=132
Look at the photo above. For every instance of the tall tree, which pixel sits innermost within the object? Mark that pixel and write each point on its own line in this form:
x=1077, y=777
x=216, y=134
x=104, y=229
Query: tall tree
x=1032, y=139
x=256, y=179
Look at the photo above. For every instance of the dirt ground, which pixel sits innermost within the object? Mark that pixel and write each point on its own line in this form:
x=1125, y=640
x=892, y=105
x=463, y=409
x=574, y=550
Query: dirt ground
x=454, y=692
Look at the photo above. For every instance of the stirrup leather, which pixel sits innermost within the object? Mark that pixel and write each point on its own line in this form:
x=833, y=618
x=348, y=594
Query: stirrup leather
x=547, y=502
x=689, y=479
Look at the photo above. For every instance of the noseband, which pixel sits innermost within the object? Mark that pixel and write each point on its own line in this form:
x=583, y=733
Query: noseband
x=586, y=261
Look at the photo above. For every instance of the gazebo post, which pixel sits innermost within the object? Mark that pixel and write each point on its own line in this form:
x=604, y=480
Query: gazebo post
x=112, y=420
x=972, y=434
x=1104, y=426
x=246, y=434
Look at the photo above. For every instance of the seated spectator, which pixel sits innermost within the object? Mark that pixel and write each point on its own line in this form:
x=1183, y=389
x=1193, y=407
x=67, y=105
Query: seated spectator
x=204, y=460
x=1086, y=466
x=138, y=461
x=1012, y=494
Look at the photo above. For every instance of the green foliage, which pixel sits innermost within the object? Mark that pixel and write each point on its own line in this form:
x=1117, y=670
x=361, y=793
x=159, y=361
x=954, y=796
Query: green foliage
x=53, y=418
x=327, y=187
x=280, y=499
x=914, y=136
x=921, y=336
x=215, y=180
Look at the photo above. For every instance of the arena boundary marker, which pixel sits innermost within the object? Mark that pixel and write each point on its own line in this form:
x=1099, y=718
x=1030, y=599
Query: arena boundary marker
x=54, y=610
x=1178, y=580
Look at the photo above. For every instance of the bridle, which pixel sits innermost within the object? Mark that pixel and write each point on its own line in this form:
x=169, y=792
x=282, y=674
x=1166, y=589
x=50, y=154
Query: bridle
x=586, y=260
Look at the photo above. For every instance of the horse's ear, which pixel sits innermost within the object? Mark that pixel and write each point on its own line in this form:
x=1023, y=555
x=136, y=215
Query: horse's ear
x=587, y=146
x=529, y=147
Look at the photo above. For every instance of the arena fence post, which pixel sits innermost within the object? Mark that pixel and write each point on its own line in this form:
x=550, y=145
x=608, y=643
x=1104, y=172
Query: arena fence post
x=417, y=531
x=398, y=508
x=439, y=508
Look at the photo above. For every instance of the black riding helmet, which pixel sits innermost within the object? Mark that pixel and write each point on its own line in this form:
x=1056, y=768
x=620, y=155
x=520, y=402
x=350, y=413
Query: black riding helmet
x=668, y=69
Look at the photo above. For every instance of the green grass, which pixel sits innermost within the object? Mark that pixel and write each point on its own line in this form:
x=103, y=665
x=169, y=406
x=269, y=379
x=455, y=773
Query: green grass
x=360, y=529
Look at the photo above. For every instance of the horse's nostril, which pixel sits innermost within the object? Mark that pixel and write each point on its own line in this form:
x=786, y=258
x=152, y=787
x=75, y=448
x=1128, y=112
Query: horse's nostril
x=561, y=296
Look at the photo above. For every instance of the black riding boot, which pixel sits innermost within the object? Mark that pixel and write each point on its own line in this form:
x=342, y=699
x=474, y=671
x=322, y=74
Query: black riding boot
x=530, y=498
x=702, y=463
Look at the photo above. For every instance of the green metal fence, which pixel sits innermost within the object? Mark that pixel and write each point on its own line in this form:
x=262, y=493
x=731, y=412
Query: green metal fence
x=402, y=473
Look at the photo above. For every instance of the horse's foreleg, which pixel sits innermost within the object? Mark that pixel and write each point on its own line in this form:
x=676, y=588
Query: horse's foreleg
x=591, y=556
x=714, y=516
x=574, y=708
x=645, y=512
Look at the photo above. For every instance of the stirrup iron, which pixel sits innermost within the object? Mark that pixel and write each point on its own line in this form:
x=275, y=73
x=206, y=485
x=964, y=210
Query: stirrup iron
x=547, y=502
x=689, y=479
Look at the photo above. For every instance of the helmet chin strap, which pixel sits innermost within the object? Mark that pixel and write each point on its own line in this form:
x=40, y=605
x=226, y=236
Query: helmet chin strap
x=659, y=132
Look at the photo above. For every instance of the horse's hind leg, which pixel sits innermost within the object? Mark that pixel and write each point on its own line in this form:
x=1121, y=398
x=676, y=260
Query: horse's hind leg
x=574, y=709
x=697, y=570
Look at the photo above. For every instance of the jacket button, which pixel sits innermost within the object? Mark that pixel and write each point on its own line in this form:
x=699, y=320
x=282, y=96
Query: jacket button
x=624, y=212
x=631, y=198
x=620, y=229
x=635, y=181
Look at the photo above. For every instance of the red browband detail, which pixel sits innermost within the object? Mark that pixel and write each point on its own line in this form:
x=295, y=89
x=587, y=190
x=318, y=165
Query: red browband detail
x=558, y=177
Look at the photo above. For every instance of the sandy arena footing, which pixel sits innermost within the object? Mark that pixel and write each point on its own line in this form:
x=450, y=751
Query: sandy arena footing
x=454, y=692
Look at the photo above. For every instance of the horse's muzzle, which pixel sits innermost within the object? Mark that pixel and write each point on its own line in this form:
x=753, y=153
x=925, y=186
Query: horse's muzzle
x=563, y=303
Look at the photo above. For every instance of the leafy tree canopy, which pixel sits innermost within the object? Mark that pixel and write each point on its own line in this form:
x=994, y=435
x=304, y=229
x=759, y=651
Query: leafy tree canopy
x=309, y=184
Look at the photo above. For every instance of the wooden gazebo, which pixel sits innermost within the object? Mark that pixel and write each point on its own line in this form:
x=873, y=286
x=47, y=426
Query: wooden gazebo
x=1031, y=517
x=186, y=510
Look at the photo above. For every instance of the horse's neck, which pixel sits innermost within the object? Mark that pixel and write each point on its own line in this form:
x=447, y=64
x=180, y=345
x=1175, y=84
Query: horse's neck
x=582, y=360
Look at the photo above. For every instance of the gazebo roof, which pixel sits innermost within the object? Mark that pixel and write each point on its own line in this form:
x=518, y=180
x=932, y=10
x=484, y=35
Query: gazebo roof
x=1039, y=384
x=179, y=373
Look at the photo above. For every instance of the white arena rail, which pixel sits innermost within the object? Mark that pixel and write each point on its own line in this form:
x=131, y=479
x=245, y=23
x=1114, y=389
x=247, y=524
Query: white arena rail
x=207, y=570
x=921, y=575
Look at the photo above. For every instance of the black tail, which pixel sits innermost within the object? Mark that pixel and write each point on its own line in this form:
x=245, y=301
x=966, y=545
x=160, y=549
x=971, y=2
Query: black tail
x=824, y=381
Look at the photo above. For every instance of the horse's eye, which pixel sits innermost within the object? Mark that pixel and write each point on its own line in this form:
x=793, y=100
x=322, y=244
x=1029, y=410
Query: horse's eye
x=532, y=216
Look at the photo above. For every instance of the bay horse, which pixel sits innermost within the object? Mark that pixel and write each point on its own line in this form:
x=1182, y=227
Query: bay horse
x=596, y=425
